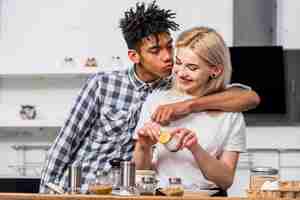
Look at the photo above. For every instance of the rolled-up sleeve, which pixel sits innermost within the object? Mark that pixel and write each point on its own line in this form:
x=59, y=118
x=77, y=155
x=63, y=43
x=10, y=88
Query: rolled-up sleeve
x=236, y=140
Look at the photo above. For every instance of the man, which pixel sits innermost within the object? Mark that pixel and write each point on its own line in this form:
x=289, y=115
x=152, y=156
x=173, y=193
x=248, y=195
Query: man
x=104, y=116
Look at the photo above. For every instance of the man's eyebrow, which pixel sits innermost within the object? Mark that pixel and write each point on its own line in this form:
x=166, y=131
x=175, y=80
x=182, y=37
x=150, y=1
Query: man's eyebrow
x=155, y=46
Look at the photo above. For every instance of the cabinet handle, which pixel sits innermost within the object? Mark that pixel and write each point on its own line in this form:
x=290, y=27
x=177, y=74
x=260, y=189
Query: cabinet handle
x=293, y=87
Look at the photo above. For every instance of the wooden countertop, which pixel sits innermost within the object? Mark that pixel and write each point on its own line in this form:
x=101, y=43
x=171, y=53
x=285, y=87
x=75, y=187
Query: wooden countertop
x=28, y=196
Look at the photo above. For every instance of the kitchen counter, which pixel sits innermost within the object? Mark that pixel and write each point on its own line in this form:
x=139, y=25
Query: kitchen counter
x=29, y=196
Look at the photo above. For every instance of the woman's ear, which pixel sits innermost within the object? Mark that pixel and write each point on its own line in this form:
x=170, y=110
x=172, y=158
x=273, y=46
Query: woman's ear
x=134, y=56
x=216, y=71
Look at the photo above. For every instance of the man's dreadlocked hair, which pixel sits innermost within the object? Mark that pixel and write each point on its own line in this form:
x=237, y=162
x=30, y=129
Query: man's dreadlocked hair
x=142, y=22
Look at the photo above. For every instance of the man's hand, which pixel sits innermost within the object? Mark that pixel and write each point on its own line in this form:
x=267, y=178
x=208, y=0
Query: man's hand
x=234, y=99
x=164, y=114
x=148, y=135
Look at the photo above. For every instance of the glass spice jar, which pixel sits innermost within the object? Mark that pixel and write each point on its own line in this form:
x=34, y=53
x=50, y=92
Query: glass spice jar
x=147, y=186
x=139, y=174
x=175, y=187
x=115, y=173
x=102, y=184
x=259, y=175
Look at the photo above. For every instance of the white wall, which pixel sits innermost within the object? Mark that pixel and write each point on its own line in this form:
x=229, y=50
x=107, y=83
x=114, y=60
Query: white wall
x=37, y=34
x=288, y=29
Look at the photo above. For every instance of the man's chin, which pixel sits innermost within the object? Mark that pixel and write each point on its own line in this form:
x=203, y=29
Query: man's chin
x=166, y=74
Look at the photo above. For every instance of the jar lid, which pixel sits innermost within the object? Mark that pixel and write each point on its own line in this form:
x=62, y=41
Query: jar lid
x=174, y=180
x=268, y=170
x=115, y=162
x=127, y=163
x=147, y=179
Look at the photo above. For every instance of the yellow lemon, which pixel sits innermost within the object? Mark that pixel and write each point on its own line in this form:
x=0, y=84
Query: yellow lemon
x=164, y=137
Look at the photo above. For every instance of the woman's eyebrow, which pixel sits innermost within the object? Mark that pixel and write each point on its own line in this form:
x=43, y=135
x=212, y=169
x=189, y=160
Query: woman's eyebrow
x=177, y=59
x=187, y=64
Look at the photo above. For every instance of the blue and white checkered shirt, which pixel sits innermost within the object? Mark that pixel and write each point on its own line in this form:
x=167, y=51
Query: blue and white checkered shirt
x=99, y=127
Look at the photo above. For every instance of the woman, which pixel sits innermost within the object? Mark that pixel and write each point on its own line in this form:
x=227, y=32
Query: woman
x=209, y=142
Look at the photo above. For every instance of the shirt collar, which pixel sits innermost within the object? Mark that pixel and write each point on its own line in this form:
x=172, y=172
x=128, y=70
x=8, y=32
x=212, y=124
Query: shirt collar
x=140, y=84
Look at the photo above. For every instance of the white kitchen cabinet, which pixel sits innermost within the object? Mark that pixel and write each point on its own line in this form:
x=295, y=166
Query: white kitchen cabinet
x=290, y=165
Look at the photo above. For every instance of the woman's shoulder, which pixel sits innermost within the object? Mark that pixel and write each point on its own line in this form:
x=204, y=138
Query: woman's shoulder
x=225, y=117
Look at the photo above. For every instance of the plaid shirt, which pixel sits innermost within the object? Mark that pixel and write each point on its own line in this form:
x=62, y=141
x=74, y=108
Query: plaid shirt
x=99, y=127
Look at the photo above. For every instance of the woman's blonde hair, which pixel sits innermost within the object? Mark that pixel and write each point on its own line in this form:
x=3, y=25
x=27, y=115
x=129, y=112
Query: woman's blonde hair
x=209, y=46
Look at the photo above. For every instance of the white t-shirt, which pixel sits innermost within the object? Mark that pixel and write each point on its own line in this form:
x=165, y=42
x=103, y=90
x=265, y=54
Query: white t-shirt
x=216, y=133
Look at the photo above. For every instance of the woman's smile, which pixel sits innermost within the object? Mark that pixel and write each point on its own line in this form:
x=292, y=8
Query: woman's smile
x=184, y=80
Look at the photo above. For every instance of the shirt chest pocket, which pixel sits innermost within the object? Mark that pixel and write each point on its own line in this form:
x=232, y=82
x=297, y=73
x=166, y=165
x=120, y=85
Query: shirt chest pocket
x=115, y=122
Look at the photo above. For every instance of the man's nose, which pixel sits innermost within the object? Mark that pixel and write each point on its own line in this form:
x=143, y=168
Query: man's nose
x=167, y=55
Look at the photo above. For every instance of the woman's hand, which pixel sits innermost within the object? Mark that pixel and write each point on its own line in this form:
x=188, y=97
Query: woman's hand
x=148, y=135
x=186, y=139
